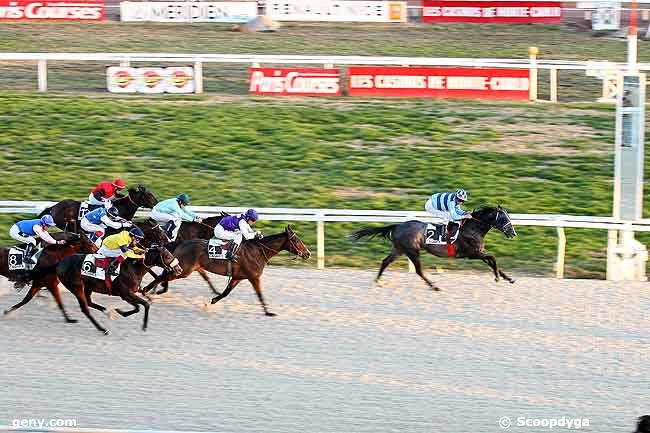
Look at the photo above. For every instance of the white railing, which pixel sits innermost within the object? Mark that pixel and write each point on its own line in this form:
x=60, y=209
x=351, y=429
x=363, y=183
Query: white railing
x=125, y=59
x=321, y=216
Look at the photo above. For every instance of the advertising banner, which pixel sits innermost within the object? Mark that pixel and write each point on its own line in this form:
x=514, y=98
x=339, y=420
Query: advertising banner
x=150, y=80
x=337, y=10
x=295, y=81
x=506, y=12
x=195, y=12
x=51, y=10
x=439, y=82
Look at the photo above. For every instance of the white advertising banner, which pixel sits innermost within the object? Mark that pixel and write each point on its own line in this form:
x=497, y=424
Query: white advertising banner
x=150, y=80
x=607, y=16
x=195, y=12
x=336, y=10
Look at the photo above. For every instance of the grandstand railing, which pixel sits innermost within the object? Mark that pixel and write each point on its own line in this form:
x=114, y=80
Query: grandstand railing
x=321, y=216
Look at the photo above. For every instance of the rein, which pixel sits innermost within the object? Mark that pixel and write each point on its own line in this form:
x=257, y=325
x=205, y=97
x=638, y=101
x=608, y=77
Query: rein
x=289, y=240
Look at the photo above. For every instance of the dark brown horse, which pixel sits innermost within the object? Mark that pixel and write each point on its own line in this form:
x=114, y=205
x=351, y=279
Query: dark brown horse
x=125, y=285
x=65, y=212
x=44, y=274
x=254, y=254
x=409, y=238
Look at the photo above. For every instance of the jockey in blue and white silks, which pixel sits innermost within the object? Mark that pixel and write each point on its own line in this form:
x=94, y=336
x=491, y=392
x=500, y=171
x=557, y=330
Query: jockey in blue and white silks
x=446, y=206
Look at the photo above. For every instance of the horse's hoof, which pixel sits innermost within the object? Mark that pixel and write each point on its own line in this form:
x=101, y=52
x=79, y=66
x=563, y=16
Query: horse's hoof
x=512, y=281
x=435, y=289
x=214, y=300
x=71, y=320
x=7, y=312
x=496, y=280
x=269, y=314
x=106, y=332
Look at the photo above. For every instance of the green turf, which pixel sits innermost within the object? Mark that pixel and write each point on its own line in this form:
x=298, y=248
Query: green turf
x=330, y=153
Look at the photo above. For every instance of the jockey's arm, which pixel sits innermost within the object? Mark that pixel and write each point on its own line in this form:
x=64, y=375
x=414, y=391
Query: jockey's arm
x=188, y=215
x=99, y=194
x=246, y=230
x=133, y=254
x=457, y=213
x=44, y=235
x=112, y=224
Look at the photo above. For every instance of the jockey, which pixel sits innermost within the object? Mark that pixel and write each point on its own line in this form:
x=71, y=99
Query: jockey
x=104, y=193
x=446, y=206
x=122, y=245
x=172, y=212
x=236, y=228
x=24, y=231
x=95, y=223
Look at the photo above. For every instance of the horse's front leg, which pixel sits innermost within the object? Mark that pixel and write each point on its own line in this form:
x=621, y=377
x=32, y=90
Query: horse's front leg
x=492, y=262
x=231, y=285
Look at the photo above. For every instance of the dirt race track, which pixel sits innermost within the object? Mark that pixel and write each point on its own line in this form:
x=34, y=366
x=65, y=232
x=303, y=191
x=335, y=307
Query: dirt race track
x=343, y=355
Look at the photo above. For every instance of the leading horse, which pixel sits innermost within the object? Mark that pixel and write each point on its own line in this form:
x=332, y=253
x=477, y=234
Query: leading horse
x=66, y=212
x=409, y=238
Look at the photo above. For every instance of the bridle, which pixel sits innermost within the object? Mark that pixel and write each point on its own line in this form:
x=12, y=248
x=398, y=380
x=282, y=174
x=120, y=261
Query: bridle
x=289, y=240
x=164, y=266
x=496, y=222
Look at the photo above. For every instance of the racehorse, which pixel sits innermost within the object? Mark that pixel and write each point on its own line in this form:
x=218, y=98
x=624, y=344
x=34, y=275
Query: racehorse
x=253, y=254
x=409, y=238
x=125, y=285
x=66, y=212
x=44, y=273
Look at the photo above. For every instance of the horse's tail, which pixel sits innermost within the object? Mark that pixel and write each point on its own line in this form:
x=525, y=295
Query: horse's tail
x=385, y=232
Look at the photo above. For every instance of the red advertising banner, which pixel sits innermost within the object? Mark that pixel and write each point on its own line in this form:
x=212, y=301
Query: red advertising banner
x=508, y=12
x=439, y=82
x=293, y=81
x=51, y=10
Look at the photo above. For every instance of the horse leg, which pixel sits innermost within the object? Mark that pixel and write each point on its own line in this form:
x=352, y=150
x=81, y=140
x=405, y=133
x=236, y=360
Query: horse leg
x=165, y=288
x=257, y=285
x=231, y=285
x=28, y=297
x=91, y=304
x=155, y=282
x=79, y=292
x=136, y=301
x=204, y=274
x=492, y=262
x=54, y=289
x=414, y=256
x=387, y=261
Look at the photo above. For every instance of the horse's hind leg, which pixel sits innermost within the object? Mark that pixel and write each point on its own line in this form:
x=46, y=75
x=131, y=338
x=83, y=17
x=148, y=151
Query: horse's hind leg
x=387, y=261
x=136, y=301
x=415, y=258
x=204, y=274
x=91, y=304
x=81, y=297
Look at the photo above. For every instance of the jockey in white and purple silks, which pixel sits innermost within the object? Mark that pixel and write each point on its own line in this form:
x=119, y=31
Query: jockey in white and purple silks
x=446, y=206
x=236, y=228
x=24, y=231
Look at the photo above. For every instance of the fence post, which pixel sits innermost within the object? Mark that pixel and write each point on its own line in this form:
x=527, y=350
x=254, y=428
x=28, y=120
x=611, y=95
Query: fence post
x=561, y=248
x=532, y=55
x=198, y=77
x=553, y=85
x=320, y=244
x=125, y=63
x=42, y=75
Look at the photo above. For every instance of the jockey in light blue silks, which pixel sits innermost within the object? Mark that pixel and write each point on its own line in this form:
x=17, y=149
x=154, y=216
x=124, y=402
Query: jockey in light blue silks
x=172, y=213
x=446, y=206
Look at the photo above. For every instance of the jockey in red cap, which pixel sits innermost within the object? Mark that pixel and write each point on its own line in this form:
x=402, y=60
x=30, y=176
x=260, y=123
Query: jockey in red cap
x=104, y=193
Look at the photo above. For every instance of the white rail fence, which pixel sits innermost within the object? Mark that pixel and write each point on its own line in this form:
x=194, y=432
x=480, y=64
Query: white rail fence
x=321, y=216
x=125, y=59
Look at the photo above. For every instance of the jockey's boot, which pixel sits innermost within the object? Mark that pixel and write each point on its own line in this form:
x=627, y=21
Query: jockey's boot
x=232, y=252
x=112, y=267
x=29, y=252
x=169, y=229
x=452, y=229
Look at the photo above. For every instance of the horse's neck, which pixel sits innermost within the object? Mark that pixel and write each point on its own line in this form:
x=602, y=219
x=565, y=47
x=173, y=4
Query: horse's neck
x=126, y=207
x=481, y=227
x=271, y=246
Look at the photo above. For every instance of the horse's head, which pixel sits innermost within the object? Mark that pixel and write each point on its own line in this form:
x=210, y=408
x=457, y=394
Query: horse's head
x=643, y=424
x=157, y=235
x=80, y=243
x=143, y=197
x=496, y=217
x=295, y=245
x=158, y=255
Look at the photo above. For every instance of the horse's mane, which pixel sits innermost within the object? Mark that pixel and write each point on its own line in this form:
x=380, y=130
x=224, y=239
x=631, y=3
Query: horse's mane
x=484, y=210
x=139, y=188
x=270, y=237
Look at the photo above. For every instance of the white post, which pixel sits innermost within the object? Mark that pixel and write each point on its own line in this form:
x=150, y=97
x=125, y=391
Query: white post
x=632, y=38
x=198, y=77
x=561, y=248
x=125, y=63
x=532, y=55
x=42, y=75
x=553, y=85
x=612, y=243
x=320, y=244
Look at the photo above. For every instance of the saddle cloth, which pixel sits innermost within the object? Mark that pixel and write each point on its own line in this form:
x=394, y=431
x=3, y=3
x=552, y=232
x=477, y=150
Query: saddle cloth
x=96, y=266
x=436, y=234
x=218, y=248
x=16, y=261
